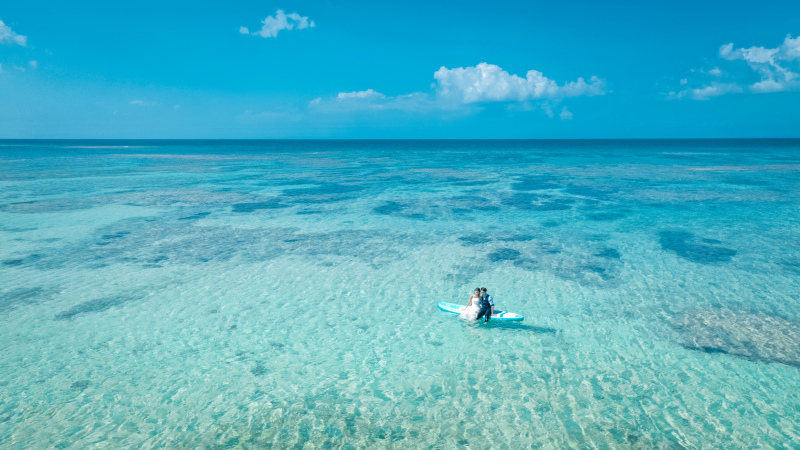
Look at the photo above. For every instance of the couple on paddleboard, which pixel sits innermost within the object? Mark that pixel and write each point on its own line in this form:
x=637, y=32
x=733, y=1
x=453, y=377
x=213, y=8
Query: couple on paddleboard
x=481, y=304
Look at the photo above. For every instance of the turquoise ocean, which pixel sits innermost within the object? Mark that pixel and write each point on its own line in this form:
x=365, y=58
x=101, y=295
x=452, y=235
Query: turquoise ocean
x=257, y=294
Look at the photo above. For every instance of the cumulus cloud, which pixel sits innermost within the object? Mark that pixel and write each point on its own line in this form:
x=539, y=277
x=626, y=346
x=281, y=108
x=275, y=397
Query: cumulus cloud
x=702, y=91
x=368, y=94
x=462, y=90
x=714, y=90
x=7, y=36
x=705, y=92
x=375, y=101
x=769, y=86
x=281, y=21
x=490, y=83
x=775, y=69
x=775, y=65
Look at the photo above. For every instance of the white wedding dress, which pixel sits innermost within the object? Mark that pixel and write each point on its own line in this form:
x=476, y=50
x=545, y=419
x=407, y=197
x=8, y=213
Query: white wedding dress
x=471, y=312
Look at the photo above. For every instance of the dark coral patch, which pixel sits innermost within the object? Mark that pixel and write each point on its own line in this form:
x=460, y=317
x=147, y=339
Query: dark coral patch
x=791, y=265
x=325, y=189
x=258, y=369
x=80, y=385
x=516, y=238
x=605, y=216
x=320, y=199
x=470, y=183
x=475, y=239
x=397, y=209
x=685, y=245
x=504, y=254
x=199, y=215
x=255, y=206
x=608, y=253
x=293, y=182
x=154, y=261
x=535, y=183
x=92, y=306
x=750, y=335
x=20, y=296
x=389, y=208
x=526, y=264
x=117, y=235
x=522, y=200
x=21, y=261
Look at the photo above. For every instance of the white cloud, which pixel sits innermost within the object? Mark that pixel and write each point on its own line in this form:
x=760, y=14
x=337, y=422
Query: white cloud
x=705, y=92
x=375, y=101
x=547, y=107
x=368, y=94
x=7, y=36
x=774, y=65
x=767, y=86
x=752, y=54
x=461, y=90
x=281, y=21
x=34, y=64
x=490, y=83
x=715, y=90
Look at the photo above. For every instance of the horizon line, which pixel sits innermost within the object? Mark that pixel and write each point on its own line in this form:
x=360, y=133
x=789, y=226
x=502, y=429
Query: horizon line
x=409, y=139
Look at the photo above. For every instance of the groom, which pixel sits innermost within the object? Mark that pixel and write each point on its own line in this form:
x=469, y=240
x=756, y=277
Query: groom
x=487, y=306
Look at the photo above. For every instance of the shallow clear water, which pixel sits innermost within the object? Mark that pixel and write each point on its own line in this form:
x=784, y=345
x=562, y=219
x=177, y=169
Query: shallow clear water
x=246, y=294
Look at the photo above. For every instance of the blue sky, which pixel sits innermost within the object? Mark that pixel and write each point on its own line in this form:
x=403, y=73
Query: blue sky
x=302, y=69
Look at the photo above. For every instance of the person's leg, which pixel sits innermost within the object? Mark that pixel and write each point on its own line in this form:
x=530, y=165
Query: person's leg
x=482, y=312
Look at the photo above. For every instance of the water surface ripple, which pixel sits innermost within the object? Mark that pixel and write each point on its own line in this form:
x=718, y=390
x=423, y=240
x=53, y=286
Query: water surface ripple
x=248, y=294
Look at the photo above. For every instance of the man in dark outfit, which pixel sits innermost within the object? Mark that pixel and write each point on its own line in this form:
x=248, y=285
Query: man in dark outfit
x=487, y=306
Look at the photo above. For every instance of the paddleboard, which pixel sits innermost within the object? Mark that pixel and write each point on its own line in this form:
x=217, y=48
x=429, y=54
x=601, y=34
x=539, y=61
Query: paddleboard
x=498, y=315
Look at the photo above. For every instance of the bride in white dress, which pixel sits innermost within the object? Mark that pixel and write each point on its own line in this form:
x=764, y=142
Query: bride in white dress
x=473, y=306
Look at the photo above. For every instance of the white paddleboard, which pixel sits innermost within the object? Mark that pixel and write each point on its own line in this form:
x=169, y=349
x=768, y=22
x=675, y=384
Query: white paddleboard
x=498, y=315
